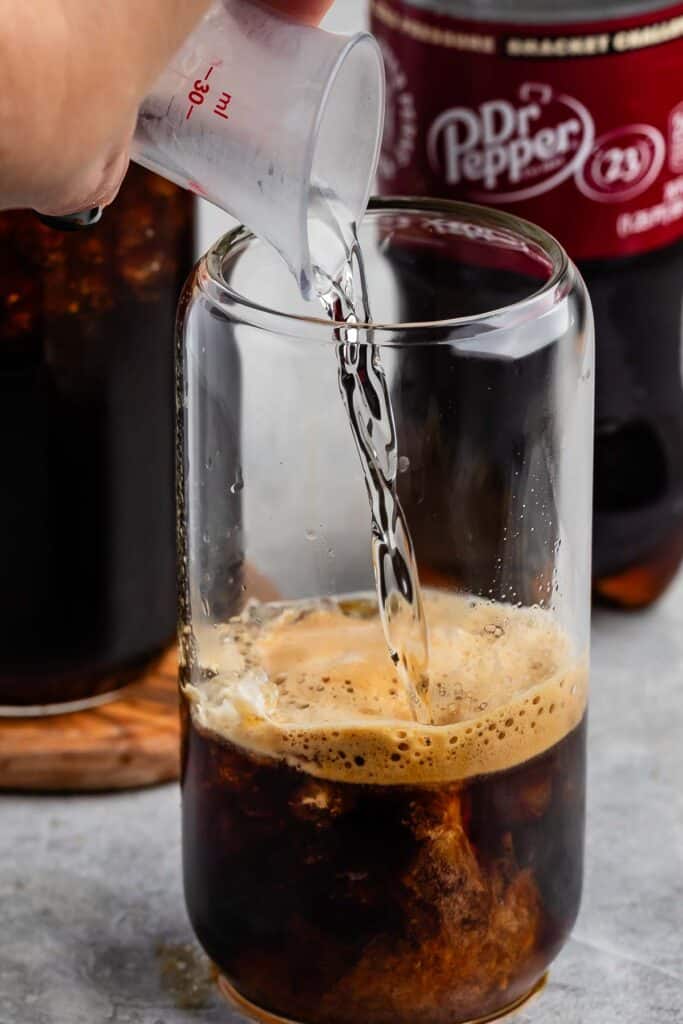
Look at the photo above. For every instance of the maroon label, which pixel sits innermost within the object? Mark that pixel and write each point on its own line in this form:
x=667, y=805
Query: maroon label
x=578, y=126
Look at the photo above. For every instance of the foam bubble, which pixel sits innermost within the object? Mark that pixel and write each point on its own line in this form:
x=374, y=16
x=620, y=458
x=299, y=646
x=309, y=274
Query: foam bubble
x=312, y=684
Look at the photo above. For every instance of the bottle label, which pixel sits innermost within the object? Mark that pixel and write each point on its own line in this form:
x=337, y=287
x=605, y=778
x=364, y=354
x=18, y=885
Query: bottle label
x=577, y=126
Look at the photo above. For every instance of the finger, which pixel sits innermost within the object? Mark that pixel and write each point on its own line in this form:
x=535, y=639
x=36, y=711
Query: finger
x=308, y=11
x=98, y=186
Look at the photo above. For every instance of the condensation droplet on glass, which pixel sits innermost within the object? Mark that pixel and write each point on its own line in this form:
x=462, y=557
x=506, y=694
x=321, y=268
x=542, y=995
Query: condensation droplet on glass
x=403, y=463
x=311, y=535
x=205, y=537
x=206, y=607
x=238, y=483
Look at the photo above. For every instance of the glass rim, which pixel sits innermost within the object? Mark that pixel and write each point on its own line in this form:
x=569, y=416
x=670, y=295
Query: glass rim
x=237, y=307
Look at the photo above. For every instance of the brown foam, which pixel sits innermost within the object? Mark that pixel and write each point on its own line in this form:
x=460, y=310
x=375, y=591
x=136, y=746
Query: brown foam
x=312, y=684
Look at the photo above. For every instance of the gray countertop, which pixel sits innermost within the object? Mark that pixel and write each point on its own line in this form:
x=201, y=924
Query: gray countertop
x=94, y=928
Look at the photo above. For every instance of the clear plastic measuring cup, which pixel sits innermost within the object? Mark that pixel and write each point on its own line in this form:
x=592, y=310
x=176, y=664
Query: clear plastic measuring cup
x=264, y=117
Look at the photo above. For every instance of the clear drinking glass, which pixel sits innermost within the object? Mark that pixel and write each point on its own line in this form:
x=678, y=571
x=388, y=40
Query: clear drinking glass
x=343, y=862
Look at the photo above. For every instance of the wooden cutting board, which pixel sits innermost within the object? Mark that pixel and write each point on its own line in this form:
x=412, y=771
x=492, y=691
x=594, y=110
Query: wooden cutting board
x=129, y=742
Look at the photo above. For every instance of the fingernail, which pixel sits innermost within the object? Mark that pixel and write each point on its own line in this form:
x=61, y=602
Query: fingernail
x=72, y=221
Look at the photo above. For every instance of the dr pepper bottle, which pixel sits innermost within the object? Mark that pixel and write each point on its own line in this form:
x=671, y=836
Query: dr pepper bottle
x=572, y=117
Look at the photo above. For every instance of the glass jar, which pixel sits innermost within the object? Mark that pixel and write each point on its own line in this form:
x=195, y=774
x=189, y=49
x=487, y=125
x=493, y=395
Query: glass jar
x=344, y=862
x=86, y=429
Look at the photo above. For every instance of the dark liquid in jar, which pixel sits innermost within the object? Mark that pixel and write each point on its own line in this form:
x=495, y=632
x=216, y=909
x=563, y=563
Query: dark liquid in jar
x=344, y=863
x=86, y=433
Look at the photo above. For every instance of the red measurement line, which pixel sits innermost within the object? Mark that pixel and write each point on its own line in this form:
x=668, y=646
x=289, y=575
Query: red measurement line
x=188, y=115
x=208, y=73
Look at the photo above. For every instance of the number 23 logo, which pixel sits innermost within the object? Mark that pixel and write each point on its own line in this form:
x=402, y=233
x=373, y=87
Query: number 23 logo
x=623, y=164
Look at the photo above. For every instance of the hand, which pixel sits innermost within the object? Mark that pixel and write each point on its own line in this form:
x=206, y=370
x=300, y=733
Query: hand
x=309, y=11
x=72, y=76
